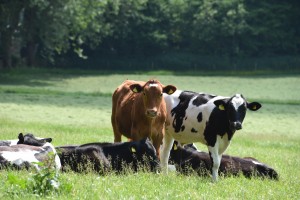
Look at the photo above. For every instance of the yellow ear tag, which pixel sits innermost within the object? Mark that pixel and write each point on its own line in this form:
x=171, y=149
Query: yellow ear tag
x=133, y=150
x=221, y=107
x=175, y=147
x=254, y=107
x=135, y=90
x=170, y=92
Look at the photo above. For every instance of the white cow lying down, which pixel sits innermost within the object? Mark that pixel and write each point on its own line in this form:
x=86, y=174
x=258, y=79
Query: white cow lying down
x=27, y=152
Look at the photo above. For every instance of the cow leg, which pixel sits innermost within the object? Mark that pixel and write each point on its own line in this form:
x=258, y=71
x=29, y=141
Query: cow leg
x=157, y=141
x=117, y=137
x=165, y=152
x=117, y=134
x=216, y=160
x=216, y=152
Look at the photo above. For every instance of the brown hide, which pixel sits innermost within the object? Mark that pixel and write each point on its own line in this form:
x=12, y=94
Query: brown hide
x=139, y=111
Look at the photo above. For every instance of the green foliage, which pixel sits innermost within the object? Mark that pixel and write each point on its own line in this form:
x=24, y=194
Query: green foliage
x=51, y=27
x=44, y=181
x=41, y=183
x=63, y=24
x=219, y=27
x=146, y=32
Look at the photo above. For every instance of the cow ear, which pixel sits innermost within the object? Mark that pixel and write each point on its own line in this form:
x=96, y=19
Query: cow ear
x=254, y=106
x=175, y=146
x=220, y=104
x=48, y=140
x=21, y=138
x=169, y=89
x=136, y=88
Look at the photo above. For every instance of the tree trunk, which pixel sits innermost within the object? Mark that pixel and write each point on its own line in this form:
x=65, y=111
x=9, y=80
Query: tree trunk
x=7, y=49
x=31, y=53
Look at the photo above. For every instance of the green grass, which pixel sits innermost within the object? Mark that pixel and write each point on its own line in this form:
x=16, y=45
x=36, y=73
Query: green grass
x=74, y=107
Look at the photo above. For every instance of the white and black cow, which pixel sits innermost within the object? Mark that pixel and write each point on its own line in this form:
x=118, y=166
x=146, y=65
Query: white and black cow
x=209, y=119
x=26, y=152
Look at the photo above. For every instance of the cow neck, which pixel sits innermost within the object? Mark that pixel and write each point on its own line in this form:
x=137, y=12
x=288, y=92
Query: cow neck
x=151, y=122
x=228, y=131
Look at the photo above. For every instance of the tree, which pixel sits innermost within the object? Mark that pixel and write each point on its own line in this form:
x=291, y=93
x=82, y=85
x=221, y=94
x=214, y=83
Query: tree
x=10, y=16
x=273, y=28
x=51, y=26
x=137, y=27
x=58, y=26
x=219, y=27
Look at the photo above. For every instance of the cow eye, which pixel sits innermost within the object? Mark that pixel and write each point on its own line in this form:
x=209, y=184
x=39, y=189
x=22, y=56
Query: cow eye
x=161, y=94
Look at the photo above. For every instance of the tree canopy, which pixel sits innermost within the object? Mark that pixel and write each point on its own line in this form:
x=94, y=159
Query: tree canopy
x=41, y=32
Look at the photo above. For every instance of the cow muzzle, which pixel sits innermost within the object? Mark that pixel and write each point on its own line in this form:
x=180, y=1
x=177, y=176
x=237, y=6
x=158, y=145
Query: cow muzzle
x=235, y=126
x=151, y=113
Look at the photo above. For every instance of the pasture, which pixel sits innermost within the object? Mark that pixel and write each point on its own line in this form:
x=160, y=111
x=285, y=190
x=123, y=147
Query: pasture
x=75, y=108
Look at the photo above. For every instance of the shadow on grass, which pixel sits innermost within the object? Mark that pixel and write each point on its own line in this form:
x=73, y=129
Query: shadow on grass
x=27, y=77
x=40, y=76
x=38, y=79
x=8, y=80
x=58, y=100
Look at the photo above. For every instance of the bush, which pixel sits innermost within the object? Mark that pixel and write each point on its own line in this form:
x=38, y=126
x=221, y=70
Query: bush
x=41, y=183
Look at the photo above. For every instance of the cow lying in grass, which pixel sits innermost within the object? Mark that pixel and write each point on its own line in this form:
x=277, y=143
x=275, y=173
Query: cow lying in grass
x=188, y=159
x=77, y=159
x=103, y=157
x=27, y=152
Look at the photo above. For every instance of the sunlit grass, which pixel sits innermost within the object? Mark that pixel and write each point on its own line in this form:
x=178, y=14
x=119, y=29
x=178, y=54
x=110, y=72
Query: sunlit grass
x=172, y=186
x=76, y=109
x=272, y=89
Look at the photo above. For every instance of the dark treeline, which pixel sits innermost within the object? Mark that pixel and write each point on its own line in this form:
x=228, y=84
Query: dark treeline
x=151, y=34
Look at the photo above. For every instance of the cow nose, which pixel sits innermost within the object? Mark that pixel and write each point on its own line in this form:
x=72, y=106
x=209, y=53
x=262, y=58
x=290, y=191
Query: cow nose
x=235, y=126
x=238, y=125
x=151, y=113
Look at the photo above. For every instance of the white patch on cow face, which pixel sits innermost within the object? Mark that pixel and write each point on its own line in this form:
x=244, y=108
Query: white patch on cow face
x=39, y=138
x=237, y=101
x=256, y=163
x=153, y=84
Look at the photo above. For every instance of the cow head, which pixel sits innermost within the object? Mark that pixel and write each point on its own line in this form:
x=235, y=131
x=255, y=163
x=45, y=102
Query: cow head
x=235, y=108
x=152, y=92
x=30, y=139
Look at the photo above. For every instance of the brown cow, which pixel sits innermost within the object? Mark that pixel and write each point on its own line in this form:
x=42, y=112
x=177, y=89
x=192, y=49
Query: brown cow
x=139, y=111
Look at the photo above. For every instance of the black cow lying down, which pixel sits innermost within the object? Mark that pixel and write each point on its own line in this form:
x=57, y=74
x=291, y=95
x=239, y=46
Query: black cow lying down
x=72, y=157
x=103, y=157
x=27, y=152
x=188, y=159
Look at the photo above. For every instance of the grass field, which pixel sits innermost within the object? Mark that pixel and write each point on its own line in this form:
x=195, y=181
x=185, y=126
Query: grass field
x=74, y=107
